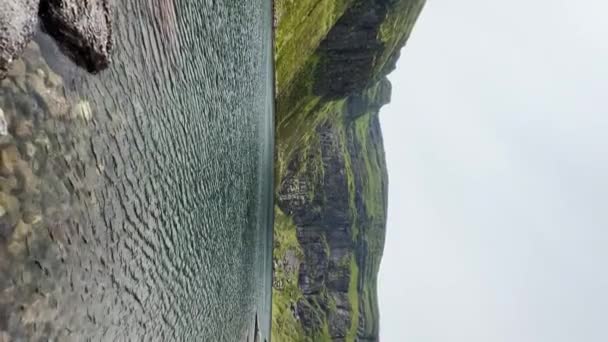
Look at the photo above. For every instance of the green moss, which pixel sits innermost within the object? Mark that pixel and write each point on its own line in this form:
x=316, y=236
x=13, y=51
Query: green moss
x=373, y=188
x=324, y=335
x=353, y=298
x=285, y=326
x=350, y=176
x=302, y=25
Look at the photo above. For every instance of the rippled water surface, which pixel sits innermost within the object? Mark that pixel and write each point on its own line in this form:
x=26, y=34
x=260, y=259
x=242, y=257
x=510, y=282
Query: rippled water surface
x=136, y=204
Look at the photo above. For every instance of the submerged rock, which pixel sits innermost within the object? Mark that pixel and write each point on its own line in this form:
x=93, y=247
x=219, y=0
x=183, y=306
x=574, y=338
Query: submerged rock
x=9, y=157
x=18, y=19
x=23, y=128
x=17, y=69
x=11, y=206
x=3, y=124
x=82, y=110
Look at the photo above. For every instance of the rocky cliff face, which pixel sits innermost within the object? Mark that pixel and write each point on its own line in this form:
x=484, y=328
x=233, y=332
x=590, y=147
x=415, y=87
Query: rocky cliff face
x=331, y=174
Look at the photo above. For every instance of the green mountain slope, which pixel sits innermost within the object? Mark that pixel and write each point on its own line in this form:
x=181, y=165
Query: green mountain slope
x=331, y=182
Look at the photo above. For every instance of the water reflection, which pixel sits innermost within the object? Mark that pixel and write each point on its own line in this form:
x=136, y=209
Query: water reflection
x=134, y=204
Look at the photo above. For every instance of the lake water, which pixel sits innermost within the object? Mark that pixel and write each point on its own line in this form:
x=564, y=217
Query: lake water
x=136, y=204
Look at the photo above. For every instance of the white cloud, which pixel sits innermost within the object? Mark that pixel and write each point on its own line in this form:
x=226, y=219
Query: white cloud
x=496, y=147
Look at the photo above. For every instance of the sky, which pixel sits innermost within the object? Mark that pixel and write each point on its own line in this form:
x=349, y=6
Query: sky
x=497, y=147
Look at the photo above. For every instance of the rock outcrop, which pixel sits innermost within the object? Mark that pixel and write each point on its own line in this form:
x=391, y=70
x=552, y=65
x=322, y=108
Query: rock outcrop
x=331, y=173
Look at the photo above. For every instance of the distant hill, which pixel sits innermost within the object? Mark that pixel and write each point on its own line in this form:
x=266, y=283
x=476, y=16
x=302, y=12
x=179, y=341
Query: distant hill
x=332, y=58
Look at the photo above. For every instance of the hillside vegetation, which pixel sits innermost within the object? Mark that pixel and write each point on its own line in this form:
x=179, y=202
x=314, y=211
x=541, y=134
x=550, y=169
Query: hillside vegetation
x=332, y=58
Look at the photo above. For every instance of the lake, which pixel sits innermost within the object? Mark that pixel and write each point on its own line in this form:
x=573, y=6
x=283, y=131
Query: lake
x=136, y=204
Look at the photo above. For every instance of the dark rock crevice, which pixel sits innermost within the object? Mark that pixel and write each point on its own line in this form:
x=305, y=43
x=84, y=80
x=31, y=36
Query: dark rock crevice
x=349, y=51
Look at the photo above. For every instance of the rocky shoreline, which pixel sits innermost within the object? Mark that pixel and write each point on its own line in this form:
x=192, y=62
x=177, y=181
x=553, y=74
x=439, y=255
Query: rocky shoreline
x=43, y=134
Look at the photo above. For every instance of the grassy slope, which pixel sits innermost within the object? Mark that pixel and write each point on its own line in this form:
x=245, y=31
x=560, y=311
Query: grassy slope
x=302, y=24
x=288, y=292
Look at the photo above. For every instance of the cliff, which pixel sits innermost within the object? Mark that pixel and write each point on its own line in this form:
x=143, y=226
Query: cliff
x=331, y=186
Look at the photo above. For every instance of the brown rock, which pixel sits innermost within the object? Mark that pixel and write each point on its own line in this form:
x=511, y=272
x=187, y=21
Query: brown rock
x=82, y=110
x=3, y=123
x=54, y=80
x=9, y=214
x=7, y=184
x=9, y=157
x=23, y=128
x=17, y=69
x=26, y=177
x=54, y=102
x=11, y=207
x=18, y=244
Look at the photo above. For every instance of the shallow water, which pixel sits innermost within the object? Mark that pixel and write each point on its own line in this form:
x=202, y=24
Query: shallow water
x=136, y=204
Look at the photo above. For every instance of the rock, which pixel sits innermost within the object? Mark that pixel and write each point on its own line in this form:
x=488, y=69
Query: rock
x=26, y=177
x=36, y=84
x=23, y=128
x=4, y=337
x=9, y=211
x=6, y=140
x=42, y=141
x=32, y=218
x=9, y=157
x=31, y=56
x=325, y=221
x=54, y=102
x=82, y=110
x=17, y=69
x=30, y=150
x=5, y=83
x=18, y=244
x=26, y=277
x=7, y=184
x=40, y=73
x=31, y=210
x=3, y=124
x=6, y=229
x=54, y=80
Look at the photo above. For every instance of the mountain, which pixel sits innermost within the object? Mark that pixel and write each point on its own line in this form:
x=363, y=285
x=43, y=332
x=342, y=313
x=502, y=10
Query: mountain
x=332, y=58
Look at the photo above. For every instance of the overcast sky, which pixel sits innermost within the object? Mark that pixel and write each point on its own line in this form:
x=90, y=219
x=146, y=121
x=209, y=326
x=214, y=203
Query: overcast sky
x=497, y=148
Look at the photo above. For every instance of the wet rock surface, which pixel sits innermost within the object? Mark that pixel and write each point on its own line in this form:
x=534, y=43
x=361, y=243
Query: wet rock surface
x=83, y=30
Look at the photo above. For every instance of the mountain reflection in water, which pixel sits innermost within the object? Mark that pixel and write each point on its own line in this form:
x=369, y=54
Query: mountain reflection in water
x=136, y=204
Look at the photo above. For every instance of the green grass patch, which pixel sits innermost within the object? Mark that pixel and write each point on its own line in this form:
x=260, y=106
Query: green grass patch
x=285, y=327
x=302, y=25
x=353, y=298
x=373, y=188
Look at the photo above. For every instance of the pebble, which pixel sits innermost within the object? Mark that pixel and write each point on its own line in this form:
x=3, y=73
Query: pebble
x=9, y=157
x=82, y=110
x=3, y=124
x=17, y=68
x=24, y=128
x=54, y=80
x=4, y=337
